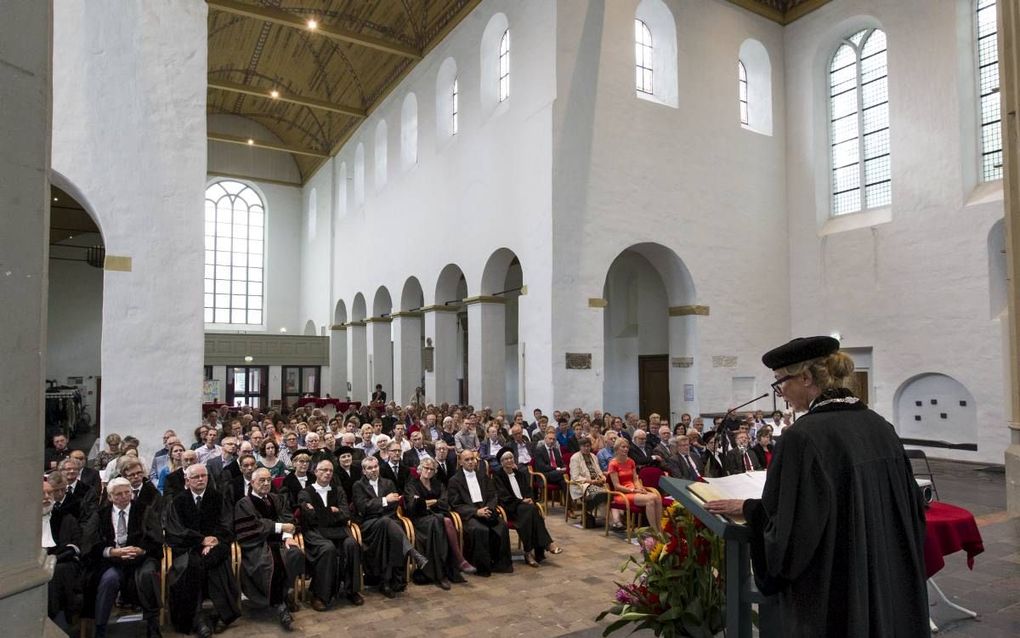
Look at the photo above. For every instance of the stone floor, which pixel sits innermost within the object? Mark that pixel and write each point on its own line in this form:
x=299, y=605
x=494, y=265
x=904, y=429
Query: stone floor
x=563, y=597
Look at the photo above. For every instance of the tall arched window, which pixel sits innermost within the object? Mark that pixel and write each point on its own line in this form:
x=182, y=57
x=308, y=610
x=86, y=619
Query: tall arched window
x=448, y=100
x=235, y=221
x=988, y=89
x=643, y=57
x=859, y=124
x=381, y=148
x=742, y=91
x=359, y=174
x=504, y=66
x=455, y=110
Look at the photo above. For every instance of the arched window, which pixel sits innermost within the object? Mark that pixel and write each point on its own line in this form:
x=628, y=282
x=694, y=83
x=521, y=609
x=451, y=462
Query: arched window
x=313, y=215
x=359, y=174
x=742, y=91
x=504, y=66
x=409, y=131
x=341, y=191
x=859, y=124
x=655, y=53
x=381, y=141
x=455, y=107
x=235, y=221
x=643, y=57
x=988, y=89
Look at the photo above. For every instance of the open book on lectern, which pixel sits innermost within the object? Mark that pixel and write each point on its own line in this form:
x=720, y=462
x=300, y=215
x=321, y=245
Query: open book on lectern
x=739, y=486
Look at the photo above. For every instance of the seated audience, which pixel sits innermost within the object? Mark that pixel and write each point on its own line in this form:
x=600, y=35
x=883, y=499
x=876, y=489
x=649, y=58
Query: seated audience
x=513, y=486
x=208, y=449
x=587, y=482
x=419, y=451
x=426, y=505
x=174, y=460
x=474, y=497
x=54, y=455
x=606, y=453
x=489, y=448
x=740, y=458
x=240, y=486
x=223, y=467
x=763, y=448
x=298, y=478
x=390, y=467
x=682, y=463
x=199, y=530
x=549, y=461
x=107, y=454
x=162, y=457
x=77, y=499
x=639, y=451
x=623, y=477
x=269, y=458
x=62, y=539
x=175, y=481
x=375, y=500
x=271, y=559
x=446, y=461
x=332, y=553
x=126, y=549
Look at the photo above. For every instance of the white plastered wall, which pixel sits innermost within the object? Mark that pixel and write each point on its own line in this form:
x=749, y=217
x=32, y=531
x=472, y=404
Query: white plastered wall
x=915, y=289
x=129, y=137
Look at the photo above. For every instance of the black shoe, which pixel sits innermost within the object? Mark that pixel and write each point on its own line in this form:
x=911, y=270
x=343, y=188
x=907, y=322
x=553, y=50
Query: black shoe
x=419, y=559
x=509, y=569
x=457, y=577
x=220, y=626
x=356, y=599
x=386, y=590
x=292, y=605
x=286, y=620
x=318, y=604
x=203, y=630
x=399, y=586
x=443, y=584
x=484, y=573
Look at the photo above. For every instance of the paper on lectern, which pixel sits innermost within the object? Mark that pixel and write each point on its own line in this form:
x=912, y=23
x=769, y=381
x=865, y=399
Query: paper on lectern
x=739, y=486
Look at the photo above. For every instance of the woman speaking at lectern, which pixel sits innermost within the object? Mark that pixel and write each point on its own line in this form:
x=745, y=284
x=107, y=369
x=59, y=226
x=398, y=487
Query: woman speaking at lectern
x=839, y=531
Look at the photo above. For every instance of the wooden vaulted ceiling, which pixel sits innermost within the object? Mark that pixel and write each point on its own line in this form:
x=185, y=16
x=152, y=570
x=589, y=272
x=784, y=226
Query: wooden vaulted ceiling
x=327, y=78
x=312, y=87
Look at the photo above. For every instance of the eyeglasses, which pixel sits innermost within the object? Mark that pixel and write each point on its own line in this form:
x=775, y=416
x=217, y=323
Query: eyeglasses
x=779, y=382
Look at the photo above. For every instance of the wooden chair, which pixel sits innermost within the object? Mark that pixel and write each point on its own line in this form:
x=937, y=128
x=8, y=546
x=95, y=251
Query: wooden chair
x=650, y=477
x=632, y=513
x=510, y=524
x=408, y=526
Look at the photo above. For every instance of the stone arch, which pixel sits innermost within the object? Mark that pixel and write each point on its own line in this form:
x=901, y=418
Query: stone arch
x=340, y=312
x=338, y=379
x=935, y=407
x=650, y=323
x=446, y=326
x=309, y=328
x=380, y=341
x=358, y=308
x=382, y=304
x=451, y=284
x=500, y=369
x=411, y=297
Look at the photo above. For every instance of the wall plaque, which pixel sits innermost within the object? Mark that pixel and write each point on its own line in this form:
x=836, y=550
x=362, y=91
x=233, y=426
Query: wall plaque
x=578, y=361
x=724, y=361
x=428, y=358
x=682, y=362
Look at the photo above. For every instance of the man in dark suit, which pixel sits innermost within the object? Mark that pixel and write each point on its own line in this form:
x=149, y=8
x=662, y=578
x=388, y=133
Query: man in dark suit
x=199, y=530
x=240, y=485
x=740, y=459
x=639, y=450
x=126, y=542
x=712, y=464
x=390, y=467
x=271, y=558
x=77, y=499
x=419, y=450
x=54, y=455
x=474, y=497
x=524, y=451
x=549, y=461
x=87, y=475
x=375, y=500
x=223, y=467
x=61, y=538
x=334, y=555
x=682, y=463
x=490, y=447
x=661, y=451
x=446, y=460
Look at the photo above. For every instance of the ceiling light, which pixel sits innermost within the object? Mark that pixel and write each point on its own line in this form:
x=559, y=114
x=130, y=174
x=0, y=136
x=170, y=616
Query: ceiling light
x=274, y=94
x=55, y=199
x=251, y=142
x=283, y=329
x=312, y=24
x=249, y=359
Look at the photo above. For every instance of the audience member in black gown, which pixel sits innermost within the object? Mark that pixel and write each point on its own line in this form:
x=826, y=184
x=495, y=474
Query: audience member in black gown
x=516, y=498
x=434, y=533
x=61, y=538
x=474, y=497
x=299, y=478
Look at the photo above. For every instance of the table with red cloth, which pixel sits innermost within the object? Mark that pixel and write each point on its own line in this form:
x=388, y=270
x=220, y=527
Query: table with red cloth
x=320, y=402
x=949, y=529
x=211, y=407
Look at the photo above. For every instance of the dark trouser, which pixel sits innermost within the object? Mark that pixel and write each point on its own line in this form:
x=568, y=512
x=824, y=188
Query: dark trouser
x=385, y=548
x=487, y=544
x=531, y=528
x=430, y=539
x=61, y=590
x=339, y=557
x=555, y=479
x=145, y=579
x=209, y=573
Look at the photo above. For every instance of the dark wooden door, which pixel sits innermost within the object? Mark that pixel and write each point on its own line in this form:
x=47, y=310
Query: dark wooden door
x=860, y=384
x=653, y=385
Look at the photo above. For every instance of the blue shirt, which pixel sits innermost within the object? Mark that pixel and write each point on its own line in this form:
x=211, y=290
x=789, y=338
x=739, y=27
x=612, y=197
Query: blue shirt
x=604, y=456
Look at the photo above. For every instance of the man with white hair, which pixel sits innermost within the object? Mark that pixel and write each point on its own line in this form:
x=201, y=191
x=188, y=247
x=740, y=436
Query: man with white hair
x=126, y=543
x=271, y=558
x=199, y=530
x=61, y=538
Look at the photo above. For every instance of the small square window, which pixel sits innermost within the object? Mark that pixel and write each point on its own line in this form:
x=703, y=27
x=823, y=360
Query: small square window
x=943, y=415
x=918, y=403
x=917, y=417
x=934, y=401
x=963, y=404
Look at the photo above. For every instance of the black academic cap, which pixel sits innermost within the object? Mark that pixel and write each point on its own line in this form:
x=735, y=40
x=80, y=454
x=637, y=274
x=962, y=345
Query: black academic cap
x=301, y=451
x=798, y=350
x=344, y=449
x=707, y=436
x=503, y=450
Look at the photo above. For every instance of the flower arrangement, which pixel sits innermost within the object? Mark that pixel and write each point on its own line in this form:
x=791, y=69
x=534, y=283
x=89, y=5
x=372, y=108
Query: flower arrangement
x=678, y=589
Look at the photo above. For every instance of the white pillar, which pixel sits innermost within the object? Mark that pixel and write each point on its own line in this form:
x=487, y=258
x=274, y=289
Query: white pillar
x=683, y=360
x=441, y=329
x=406, y=355
x=380, y=354
x=486, y=352
x=338, y=362
x=357, y=361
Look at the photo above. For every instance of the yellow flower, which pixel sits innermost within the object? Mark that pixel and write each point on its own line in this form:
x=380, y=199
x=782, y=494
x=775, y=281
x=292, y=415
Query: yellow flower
x=656, y=552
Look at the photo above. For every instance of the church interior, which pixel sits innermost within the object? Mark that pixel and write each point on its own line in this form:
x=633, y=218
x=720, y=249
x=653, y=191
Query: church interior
x=610, y=206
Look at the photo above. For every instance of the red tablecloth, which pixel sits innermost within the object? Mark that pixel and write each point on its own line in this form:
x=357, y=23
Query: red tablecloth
x=341, y=406
x=950, y=529
x=208, y=407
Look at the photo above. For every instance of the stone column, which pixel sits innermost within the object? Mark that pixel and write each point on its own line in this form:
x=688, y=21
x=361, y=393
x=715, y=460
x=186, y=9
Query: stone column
x=486, y=352
x=407, y=332
x=338, y=361
x=25, y=83
x=1009, y=82
x=441, y=330
x=380, y=354
x=683, y=343
x=357, y=361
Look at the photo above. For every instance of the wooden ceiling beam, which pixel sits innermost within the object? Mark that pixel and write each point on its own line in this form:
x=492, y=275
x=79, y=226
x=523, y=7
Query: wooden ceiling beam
x=272, y=146
x=284, y=18
x=290, y=98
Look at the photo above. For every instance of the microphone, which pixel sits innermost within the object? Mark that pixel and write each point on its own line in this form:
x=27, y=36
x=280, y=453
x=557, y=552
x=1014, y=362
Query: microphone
x=732, y=410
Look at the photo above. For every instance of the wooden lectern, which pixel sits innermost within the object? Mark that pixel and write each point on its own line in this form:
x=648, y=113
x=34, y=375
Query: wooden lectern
x=741, y=592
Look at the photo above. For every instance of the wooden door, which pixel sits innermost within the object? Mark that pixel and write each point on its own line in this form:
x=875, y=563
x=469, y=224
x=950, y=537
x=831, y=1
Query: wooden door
x=859, y=385
x=653, y=385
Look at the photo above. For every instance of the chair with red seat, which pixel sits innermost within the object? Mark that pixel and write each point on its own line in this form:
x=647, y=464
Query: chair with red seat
x=650, y=477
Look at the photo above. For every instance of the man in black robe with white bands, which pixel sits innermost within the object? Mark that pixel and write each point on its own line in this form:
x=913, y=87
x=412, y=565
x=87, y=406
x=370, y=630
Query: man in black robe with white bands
x=839, y=531
x=271, y=559
x=486, y=538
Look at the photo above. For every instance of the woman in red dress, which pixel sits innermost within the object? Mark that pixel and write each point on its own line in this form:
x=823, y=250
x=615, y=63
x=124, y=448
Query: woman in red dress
x=623, y=477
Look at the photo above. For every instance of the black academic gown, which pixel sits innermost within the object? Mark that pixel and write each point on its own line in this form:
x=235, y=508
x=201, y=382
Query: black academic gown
x=430, y=526
x=382, y=535
x=839, y=530
x=291, y=487
x=67, y=535
x=268, y=566
x=334, y=555
x=486, y=539
x=526, y=517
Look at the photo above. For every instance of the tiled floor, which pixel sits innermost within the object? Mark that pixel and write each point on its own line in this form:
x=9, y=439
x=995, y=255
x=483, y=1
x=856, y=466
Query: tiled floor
x=563, y=597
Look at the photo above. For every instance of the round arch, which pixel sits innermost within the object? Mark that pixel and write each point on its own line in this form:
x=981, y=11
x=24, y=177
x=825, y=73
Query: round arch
x=382, y=304
x=358, y=308
x=934, y=406
x=451, y=285
x=340, y=312
x=411, y=297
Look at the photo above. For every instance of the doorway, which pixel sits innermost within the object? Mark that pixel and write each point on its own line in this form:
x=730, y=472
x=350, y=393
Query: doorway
x=653, y=385
x=248, y=385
